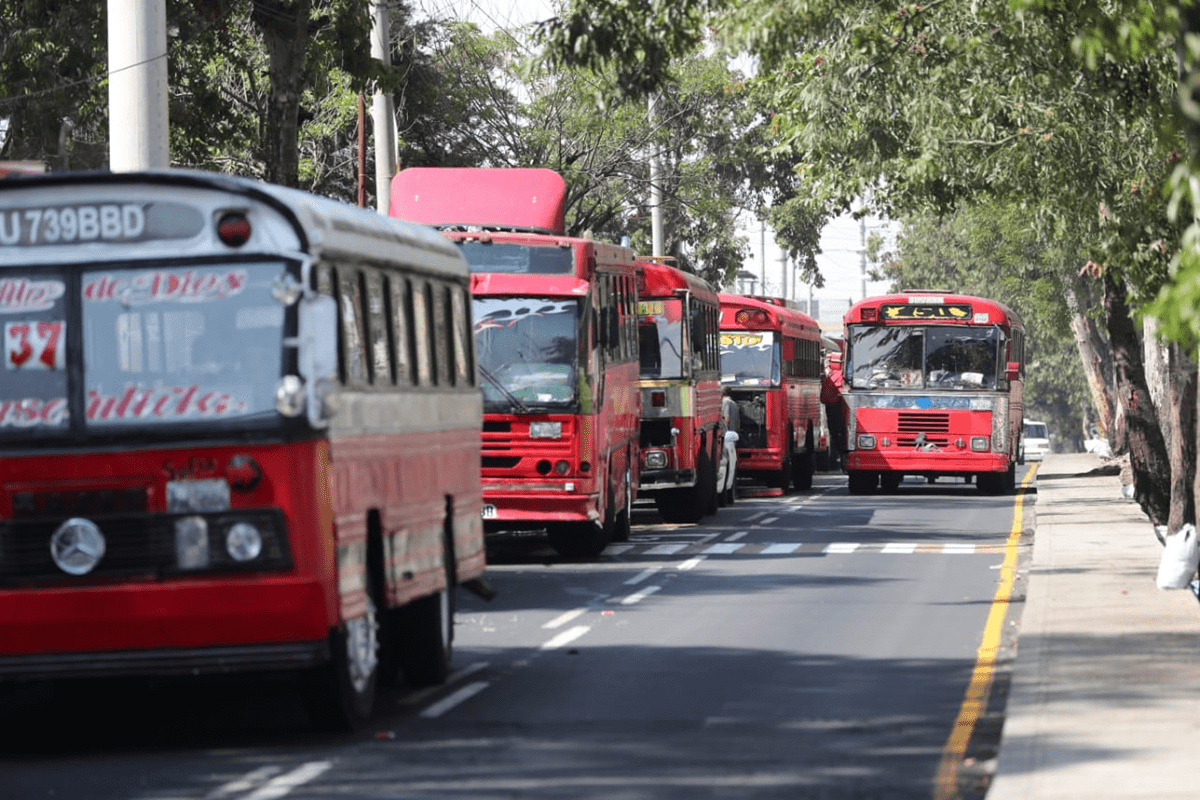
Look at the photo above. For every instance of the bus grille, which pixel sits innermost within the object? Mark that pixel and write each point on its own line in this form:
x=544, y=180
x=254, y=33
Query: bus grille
x=135, y=545
x=910, y=422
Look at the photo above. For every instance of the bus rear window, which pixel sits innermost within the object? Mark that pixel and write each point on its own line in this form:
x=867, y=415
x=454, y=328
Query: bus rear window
x=518, y=259
x=184, y=344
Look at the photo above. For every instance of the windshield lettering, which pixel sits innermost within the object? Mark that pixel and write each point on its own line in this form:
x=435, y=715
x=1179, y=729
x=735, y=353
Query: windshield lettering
x=139, y=288
x=32, y=411
x=177, y=402
x=20, y=295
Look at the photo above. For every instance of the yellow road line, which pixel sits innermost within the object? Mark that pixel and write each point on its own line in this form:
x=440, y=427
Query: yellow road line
x=975, y=701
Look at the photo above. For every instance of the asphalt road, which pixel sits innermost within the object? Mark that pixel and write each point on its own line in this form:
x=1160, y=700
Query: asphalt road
x=817, y=645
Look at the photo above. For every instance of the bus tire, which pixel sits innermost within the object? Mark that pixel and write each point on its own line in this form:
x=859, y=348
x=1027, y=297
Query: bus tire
x=804, y=465
x=426, y=629
x=890, y=481
x=707, y=485
x=622, y=522
x=783, y=478
x=578, y=539
x=342, y=693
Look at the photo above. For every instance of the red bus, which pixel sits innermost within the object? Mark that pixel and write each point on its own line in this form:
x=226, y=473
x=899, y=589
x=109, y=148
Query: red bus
x=679, y=317
x=556, y=334
x=239, y=432
x=771, y=361
x=933, y=385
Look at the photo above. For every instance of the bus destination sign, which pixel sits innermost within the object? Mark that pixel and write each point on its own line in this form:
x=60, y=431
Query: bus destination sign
x=87, y=223
x=902, y=311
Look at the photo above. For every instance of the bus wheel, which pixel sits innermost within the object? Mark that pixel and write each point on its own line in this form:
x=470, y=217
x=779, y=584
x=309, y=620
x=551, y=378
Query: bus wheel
x=861, y=481
x=783, y=478
x=623, y=520
x=804, y=465
x=990, y=482
x=426, y=630
x=890, y=481
x=578, y=539
x=342, y=693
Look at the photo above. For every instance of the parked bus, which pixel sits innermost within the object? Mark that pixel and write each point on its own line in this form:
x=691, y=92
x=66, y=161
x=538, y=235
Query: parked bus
x=239, y=432
x=679, y=317
x=933, y=385
x=556, y=332
x=771, y=360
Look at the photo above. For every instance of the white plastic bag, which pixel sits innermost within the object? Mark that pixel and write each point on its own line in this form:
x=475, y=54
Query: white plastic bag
x=1181, y=554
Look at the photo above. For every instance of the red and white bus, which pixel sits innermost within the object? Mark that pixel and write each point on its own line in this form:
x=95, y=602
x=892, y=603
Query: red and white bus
x=239, y=432
x=679, y=317
x=556, y=334
x=933, y=384
x=771, y=361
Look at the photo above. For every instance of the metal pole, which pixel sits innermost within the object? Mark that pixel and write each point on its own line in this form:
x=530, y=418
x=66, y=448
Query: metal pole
x=137, y=85
x=383, y=118
x=656, y=220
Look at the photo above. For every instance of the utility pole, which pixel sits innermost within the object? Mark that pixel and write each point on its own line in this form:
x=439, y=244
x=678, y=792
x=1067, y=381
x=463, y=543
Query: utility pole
x=382, y=118
x=862, y=228
x=137, y=85
x=783, y=265
x=656, y=220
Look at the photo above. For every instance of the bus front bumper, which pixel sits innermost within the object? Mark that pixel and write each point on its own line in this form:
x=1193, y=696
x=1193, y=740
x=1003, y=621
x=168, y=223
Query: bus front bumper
x=940, y=462
x=533, y=507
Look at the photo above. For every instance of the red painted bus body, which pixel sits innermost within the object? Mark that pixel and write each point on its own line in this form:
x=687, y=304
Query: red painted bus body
x=933, y=386
x=771, y=363
x=681, y=431
x=219, y=466
x=556, y=337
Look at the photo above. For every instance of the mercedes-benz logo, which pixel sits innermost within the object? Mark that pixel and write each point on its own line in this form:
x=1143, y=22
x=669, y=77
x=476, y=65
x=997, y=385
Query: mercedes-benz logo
x=77, y=546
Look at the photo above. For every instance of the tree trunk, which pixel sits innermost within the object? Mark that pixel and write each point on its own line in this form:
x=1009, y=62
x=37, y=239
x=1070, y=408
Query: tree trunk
x=1092, y=353
x=284, y=26
x=1182, y=441
x=1147, y=451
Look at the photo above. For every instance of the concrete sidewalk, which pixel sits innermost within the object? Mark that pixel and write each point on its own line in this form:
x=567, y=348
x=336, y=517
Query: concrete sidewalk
x=1105, y=695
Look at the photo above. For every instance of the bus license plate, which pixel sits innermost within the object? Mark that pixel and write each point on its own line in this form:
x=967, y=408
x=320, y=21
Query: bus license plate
x=489, y=511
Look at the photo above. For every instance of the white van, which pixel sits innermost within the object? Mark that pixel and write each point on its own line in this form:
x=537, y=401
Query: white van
x=1036, y=442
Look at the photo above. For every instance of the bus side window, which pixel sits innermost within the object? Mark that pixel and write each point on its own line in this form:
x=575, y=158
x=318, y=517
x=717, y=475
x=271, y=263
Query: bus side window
x=381, y=345
x=422, y=334
x=440, y=301
x=401, y=330
x=460, y=320
x=353, y=351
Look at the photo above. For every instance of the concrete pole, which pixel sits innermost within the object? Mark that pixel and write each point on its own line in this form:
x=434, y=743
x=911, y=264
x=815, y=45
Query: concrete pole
x=862, y=229
x=382, y=117
x=656, y=221
x=137, y=85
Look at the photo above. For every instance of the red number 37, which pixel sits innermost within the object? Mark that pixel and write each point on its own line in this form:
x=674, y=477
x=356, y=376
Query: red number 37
x=33, y=345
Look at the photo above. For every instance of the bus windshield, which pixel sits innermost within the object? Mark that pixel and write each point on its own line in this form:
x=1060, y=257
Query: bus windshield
x=660, y=334
x=749, y=358
x=181, y=344
x=528, y=351
x=519, y=259
x=924, y=357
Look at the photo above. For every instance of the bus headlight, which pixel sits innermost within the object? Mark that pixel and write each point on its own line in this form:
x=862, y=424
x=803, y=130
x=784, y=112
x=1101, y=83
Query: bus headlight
x=545, y=430
x=866, y=441
x=289, y=396
x=656, y=459
x=980, y=444
x=191, y=543
x=243, y=542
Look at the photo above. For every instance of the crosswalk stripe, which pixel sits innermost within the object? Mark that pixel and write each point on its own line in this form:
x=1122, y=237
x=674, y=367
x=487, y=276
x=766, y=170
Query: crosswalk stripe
x=899, y=547
x=842, y=547
x=780, y=549
x=724, y=547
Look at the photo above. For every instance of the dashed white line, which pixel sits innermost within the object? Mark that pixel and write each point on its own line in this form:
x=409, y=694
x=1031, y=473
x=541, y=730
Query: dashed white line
x=451, y=700
x=769, y=520
x=781, y=549
x=564, y=618
x=665, y=549
x=283, y=784
x=958, y=549
x=641, y=576
x=691, y=563
x=756, y=515
x=617, y=549
x=640, y=595
x=899, y=547
x=566, y=637
x=244, y=783
x=841, y=547
x=733, y=537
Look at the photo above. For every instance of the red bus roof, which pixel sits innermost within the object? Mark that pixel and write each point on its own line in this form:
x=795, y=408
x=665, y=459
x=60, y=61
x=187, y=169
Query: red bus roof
x=658, y=280
x=516, y=199
x=924, y=307
x=773, y=316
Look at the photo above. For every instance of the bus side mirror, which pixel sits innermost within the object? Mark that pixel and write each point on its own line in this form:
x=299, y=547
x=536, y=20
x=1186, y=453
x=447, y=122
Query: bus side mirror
x=318, y=357
x=1012, y=370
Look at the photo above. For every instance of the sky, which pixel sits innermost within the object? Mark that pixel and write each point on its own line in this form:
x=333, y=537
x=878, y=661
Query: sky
x=841, y=242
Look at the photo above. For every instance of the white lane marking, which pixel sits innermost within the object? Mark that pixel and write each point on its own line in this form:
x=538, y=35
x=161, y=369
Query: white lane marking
x=617, y=549
x=769, y=520
x=640, y=595
x=958, y=549
x=841, y=547
x=733, y=537
x=756, y=515
x=564, y=618
x=665, y=549
x=691, y=563
x=450, y=701
x=780, y=549
x=244, y=783
x=899, y=547
x=283, y=784
x=566, y=637
x=419, y=696
x=641, y=576
x=723, y=548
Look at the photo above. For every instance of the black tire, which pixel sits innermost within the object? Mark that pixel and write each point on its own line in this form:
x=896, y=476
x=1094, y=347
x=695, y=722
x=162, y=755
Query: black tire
x=990, y=482
x=783, y=478
x=692, y=503
x=890, y=481
x=706, y=485
x=578, y=539
x=861, y=481
x=623, y=521
x=426, y=629
x=341, y=694
x=804, y=466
